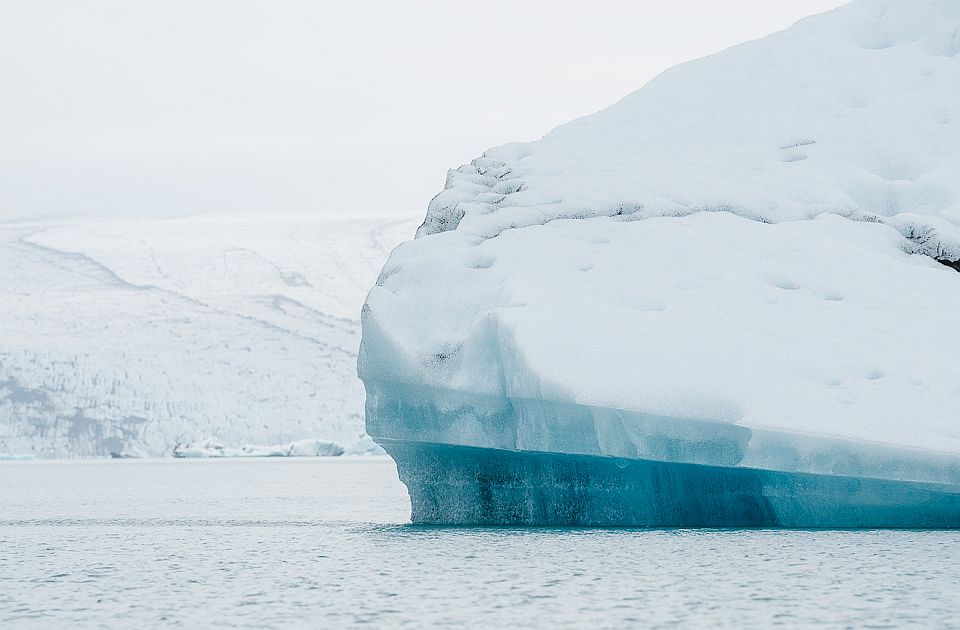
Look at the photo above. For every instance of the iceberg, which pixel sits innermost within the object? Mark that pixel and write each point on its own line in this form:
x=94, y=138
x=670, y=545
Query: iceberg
x=727, y=300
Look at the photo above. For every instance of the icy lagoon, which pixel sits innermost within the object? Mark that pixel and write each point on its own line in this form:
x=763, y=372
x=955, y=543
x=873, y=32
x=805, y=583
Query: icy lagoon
x=326, y=542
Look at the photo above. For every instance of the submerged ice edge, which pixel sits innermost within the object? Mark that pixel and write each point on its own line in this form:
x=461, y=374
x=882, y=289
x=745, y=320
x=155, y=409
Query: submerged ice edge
x=405, y=413
x=463, y=485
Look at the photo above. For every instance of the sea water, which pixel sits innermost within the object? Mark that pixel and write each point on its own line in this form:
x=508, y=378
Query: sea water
x=326, y=542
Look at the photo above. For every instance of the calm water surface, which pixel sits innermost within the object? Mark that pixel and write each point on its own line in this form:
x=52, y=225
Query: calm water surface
x=323, y=543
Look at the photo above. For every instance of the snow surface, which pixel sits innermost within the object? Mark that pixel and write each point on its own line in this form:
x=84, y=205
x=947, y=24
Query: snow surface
x=737, y=252
x=135, y=336
x=854, y=112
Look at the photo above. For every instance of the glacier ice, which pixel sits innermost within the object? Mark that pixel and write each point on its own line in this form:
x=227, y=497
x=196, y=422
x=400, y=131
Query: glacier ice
x=131, y=336
x=729, y=294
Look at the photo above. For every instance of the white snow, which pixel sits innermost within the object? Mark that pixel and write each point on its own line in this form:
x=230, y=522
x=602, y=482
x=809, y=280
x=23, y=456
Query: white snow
x=855, y=112
x=739, y=244
x=134, y=336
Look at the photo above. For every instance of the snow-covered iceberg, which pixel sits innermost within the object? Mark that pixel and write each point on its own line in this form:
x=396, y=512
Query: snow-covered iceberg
x=725, y=300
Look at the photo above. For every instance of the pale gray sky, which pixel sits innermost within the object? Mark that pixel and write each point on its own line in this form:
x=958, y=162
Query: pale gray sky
x=167, y=107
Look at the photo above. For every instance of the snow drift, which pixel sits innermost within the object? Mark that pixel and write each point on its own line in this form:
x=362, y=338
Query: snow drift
x=744, y=266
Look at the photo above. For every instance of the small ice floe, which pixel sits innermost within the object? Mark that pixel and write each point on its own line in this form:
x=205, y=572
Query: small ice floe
x=365, y=446
x=4, y=457
x=301, y=448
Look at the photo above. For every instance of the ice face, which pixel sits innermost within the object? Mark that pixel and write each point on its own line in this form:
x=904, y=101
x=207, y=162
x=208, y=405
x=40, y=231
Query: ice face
x=746, y=279
x=470, y=486
x=804, y=348
x=824, y=327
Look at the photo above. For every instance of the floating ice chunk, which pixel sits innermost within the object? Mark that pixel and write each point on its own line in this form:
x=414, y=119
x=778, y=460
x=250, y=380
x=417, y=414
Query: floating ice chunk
x=315, y=448
x=15, y=457
x=365, y=446
x=301, y=448
x=725, y=284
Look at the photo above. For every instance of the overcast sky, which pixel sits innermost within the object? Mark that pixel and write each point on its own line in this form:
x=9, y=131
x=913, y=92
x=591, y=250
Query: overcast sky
x=170, y=107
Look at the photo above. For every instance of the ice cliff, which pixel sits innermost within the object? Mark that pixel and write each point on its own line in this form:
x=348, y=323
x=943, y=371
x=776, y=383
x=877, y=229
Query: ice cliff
x=744, y=266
